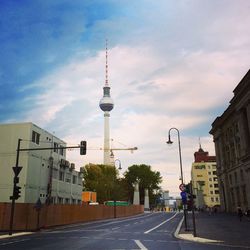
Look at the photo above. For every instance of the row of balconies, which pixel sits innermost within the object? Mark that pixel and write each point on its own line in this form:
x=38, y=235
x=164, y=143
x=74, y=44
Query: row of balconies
x=66, y=164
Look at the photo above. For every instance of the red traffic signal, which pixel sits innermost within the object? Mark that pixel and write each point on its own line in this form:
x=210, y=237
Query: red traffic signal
x=83, y=148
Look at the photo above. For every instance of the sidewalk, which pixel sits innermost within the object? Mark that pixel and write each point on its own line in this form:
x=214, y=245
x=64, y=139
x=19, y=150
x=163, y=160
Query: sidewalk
x=217, y=228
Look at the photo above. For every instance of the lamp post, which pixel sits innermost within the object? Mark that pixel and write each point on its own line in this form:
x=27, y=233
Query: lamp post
x=179, y=144
x=119, y=168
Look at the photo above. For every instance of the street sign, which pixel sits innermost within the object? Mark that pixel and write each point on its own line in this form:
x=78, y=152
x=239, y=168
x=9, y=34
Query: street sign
x=17, y=170
x=183, y=194
x=182, y=187
x=183, y=197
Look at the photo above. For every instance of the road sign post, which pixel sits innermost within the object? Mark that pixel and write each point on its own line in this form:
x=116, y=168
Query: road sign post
x=16, y=189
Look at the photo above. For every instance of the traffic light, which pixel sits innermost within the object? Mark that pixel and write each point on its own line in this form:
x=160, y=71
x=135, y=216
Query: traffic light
x=83, y=147
x=17, y=192
x=188, y=188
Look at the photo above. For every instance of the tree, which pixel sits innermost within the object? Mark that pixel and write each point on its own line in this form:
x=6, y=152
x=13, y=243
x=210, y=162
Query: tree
x=147, y=179
x=104, y=181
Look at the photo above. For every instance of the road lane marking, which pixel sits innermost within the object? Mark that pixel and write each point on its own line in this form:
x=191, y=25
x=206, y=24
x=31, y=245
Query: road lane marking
x=150, y=230
x=140, y=245
x=12, y=242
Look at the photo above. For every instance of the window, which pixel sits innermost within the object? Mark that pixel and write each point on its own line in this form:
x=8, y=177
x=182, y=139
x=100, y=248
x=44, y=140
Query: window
x=235, y=177
x=217, y=199
x=210, y=179
x=74, y=179
x=216, y=185
x=212, y=199
x=211, y=192
x=68, y=177
x=199, y=175
x=215, y=179
x=60, y=200
x=209, y=173
x=242, y=175
x=214, y=173
x=200, y=167
x=61, y=176
x=35, y=137
x=216, y=191
x=230, y=179
x=56, y=147
x=61, y=150
x=210, y=185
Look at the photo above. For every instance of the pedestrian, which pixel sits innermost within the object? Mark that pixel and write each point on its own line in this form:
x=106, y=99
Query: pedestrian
x=248, y=214
x=240, y=213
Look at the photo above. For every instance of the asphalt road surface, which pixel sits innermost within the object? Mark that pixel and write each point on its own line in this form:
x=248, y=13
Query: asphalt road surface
x=147, y=231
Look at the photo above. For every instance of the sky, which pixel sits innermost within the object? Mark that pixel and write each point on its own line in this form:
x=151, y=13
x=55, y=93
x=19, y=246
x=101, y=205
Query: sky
x=171, y=64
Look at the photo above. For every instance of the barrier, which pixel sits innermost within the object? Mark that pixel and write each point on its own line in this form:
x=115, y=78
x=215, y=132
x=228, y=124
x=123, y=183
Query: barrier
x=26, y=217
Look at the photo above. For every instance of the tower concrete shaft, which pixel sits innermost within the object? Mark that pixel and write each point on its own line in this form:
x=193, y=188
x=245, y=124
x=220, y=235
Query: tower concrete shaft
x=106, y=151
x=106, y=105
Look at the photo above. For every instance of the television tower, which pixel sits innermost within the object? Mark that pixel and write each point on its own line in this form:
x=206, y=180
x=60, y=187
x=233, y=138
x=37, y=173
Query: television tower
x=106, y=105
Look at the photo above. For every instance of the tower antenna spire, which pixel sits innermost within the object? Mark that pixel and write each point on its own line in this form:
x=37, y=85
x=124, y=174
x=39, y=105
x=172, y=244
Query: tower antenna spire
x=106, y=65
x=200, y=142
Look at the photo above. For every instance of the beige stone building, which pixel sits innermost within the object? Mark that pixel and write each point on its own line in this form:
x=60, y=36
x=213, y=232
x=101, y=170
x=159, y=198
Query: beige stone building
x=231, y=133
x=46, y=174
x=204, y=180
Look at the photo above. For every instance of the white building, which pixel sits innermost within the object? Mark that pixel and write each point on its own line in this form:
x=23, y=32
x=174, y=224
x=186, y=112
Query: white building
x=165, y=196
x=45, y=174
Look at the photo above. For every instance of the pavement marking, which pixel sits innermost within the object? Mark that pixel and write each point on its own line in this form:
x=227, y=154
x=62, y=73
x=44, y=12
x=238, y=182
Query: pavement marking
x=12, y=242
x=140, y=245
x=150, y=230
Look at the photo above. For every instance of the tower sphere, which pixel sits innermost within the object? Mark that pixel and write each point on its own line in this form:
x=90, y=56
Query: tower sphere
x=106, y=103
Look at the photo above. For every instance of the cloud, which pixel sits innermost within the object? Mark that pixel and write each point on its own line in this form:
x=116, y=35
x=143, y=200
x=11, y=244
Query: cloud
x=171, y=64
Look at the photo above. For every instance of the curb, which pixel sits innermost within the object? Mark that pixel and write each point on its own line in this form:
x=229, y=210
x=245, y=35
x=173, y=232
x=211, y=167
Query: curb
x=5, y=236
x=190, y=237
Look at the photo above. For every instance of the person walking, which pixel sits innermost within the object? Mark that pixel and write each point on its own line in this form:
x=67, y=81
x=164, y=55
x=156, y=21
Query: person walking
x=248, y=214
x=240, y=213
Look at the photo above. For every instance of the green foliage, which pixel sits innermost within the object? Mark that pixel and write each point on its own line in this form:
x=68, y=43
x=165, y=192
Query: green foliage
x=104, y=180
x=99, y=178
x=147, y=179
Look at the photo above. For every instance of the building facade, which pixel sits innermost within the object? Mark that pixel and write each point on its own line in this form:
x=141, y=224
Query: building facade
x=45, y=174
x=231, y=133
x=204, y=180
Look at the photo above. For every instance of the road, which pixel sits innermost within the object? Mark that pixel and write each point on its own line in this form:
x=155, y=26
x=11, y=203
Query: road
x=147, y=231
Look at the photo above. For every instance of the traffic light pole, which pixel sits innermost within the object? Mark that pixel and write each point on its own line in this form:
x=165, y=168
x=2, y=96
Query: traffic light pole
x=17, y=169
x=13, y=198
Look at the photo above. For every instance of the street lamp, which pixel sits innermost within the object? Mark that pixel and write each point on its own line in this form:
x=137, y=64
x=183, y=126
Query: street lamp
x=119, y=168
x=179, y=143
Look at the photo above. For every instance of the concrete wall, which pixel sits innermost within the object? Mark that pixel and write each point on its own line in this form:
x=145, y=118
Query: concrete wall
x=26, y=216
x=34, y=177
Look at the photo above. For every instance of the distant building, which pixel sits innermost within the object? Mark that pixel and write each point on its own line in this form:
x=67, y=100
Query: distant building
x=231, y=132
x=204, y=180
x=45, y=174
x=165, y=196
